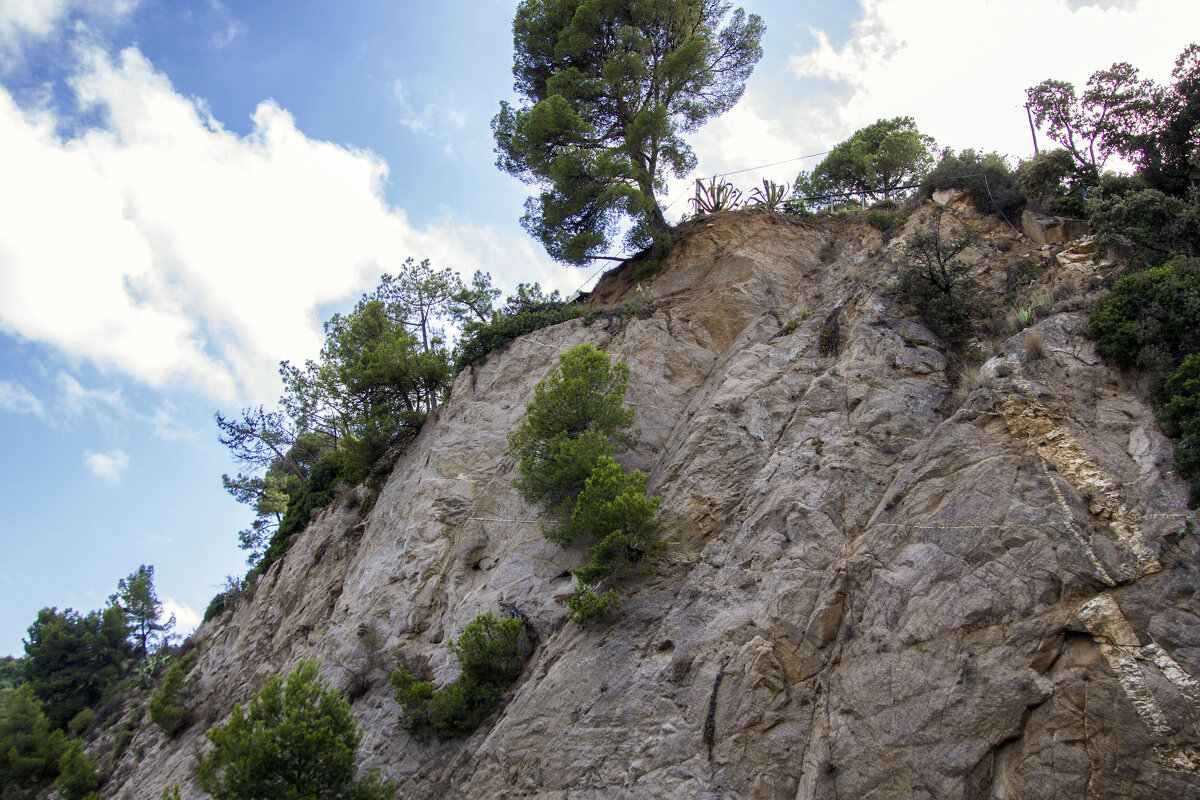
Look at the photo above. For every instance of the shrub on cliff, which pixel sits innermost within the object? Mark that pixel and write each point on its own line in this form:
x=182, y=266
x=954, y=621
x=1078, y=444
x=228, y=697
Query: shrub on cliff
x=564, y=450
x=984, y=177
x=576, y=417
x=167, y=707
x=936, y=281
x=1151, y=321
x=295, y=740
x=489, y=657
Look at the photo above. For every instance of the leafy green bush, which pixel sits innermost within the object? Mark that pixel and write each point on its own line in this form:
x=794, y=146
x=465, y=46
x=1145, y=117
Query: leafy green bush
x=937, y=283
x=295, y=740
x=489, y=657
x=1179, y=408
x=576, y=417
x=81, y=722
x=1151, y=318
x=1047, y=176
x=1069, y=206
x=615, y=516
x=985, y=178
x=167, y=707
x=587, y=605
x=564, y=450
x=77, y=778
x=479, y=339
x=880, y=220
x=315, y=493
x=29, y=750
x=1158, y=225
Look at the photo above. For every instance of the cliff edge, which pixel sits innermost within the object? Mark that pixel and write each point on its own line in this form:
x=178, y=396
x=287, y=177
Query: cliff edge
x=889, y=574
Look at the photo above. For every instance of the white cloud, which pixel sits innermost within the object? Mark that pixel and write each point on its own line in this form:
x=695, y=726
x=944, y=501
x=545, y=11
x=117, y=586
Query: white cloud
x=19, y=400
x=187, y=619
x=232, y=27
x=75, y=400
x=961, y=67
x=432, y=119
x=167, y=426
x=107, y=466
x=165, y=247
x=23, y=20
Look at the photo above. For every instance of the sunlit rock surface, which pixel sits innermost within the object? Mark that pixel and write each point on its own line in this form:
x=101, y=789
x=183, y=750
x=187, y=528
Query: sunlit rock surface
x=890, y=574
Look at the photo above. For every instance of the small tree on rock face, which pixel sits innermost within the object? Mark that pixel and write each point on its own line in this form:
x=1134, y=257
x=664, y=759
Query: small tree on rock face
x=609, y=87
x=936, y=281
x=296, y=740
x=576, y=417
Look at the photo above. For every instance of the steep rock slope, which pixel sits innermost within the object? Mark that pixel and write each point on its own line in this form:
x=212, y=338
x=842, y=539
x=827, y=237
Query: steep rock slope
x=884, y=578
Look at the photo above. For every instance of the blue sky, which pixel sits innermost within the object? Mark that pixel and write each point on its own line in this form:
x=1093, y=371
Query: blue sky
x=188, y=187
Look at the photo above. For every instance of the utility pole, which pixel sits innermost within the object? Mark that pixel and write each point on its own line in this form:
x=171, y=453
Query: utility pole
x=1032, y=130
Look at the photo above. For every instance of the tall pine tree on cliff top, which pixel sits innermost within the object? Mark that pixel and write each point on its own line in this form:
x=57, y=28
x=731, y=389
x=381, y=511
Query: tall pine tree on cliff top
x=609, y=87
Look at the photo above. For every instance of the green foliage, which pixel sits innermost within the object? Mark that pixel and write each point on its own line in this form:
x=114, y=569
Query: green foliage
x=382, y=368
x=608, y=89
x=12, y=675
x=576, y=417
x=1179, y=407
x=295, y=740
x=81, y=722
x=874, y=161
x=985, y=178
x=1164, y=147
x=489, y=657
x=881, y=220
x=29, y=750
x=770, y=195
x=168, y=710
x=1150, y=319
x=588, y=606
x=713, y=197
x=77, y=778
x=1047, y=176
x=1158, y=225
x=612, y=500
x=564, y=450
x=528, y=310
x=72, y=660
x=937, y=283
x=146, y=628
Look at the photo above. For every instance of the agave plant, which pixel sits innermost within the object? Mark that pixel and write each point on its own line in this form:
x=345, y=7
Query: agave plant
x=770, y=195
x=715, y=197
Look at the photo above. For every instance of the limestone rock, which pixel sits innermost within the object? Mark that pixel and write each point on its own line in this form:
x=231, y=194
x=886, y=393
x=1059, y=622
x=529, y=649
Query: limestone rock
x=883, y=580
x=1048, y=229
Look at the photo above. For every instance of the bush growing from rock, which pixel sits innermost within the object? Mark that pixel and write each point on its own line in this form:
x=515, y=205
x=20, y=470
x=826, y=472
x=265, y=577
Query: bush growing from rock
x=167, y=708
x=984, y=177
x=77, y=778
x=576, y=417
x=936, y=281
x=489, y=657
x=295, y=740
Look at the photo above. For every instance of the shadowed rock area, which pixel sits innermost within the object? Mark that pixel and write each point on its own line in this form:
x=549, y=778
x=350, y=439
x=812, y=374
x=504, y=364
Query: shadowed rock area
x=890, y=572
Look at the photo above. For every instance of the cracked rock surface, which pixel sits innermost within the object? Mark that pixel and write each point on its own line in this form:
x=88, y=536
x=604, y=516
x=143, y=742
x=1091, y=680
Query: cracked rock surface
x=892, y=572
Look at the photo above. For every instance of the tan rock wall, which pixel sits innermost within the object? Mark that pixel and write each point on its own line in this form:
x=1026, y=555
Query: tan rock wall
x=881, y=582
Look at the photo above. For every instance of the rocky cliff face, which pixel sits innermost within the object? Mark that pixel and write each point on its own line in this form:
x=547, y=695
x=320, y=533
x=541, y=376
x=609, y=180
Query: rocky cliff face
x=889, y=575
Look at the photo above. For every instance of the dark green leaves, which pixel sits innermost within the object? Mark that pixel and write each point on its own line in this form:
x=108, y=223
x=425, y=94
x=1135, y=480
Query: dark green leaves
x=608, y=89
x=295, y=740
